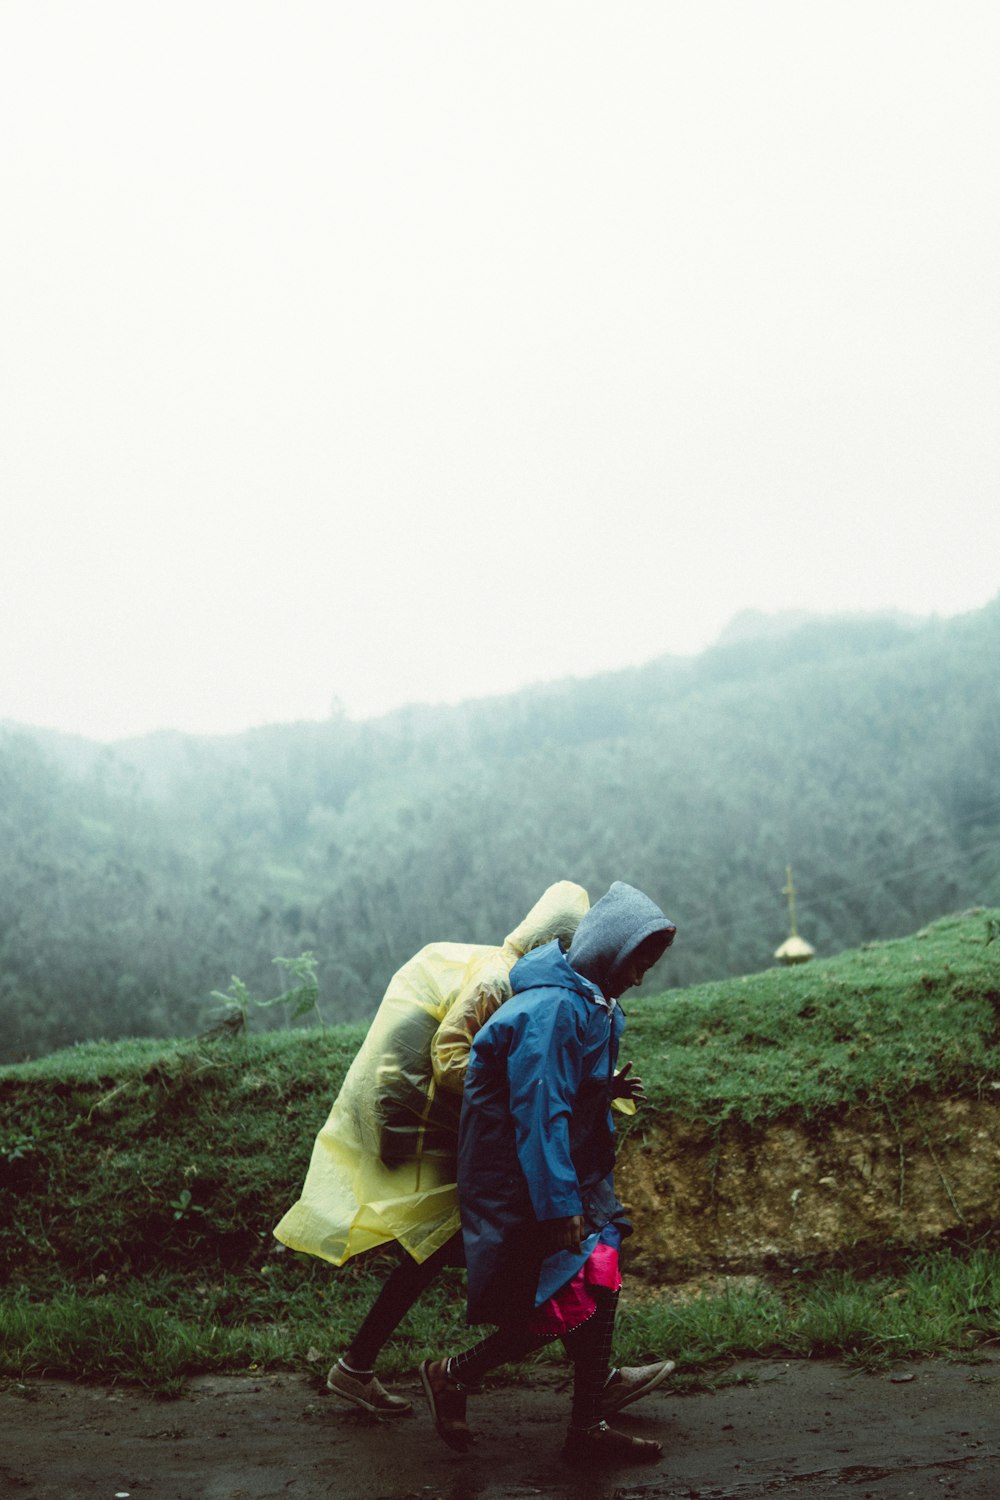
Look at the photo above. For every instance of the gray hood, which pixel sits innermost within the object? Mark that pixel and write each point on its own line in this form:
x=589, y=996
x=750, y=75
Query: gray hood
x=611, y=932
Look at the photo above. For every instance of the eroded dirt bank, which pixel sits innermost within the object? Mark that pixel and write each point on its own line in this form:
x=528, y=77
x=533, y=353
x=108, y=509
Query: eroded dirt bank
x=750, y=1196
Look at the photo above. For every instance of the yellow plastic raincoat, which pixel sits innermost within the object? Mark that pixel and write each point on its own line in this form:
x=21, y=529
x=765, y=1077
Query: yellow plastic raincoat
x=383, y=1165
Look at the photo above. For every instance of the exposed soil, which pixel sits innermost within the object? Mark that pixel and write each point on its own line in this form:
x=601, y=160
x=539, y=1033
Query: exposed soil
x=748, y=1196
x=802, y=1430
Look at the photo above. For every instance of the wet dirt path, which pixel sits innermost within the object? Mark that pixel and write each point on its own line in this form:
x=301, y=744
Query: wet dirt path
x=800, y=1430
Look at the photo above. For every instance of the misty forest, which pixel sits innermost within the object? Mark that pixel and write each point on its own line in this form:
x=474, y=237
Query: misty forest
x=138, y=878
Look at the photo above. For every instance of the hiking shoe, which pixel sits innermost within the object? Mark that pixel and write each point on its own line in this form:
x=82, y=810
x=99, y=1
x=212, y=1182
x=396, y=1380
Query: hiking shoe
x=370, y=1394
x=631, y=1383
x=604, y=1444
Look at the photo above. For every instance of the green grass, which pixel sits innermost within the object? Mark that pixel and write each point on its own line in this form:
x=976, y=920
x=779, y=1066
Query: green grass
x=308, y=1055
x=939, y=1303
x=160, y=1330
x=870, y=1026
x=290, y=1313
x=139, y=1181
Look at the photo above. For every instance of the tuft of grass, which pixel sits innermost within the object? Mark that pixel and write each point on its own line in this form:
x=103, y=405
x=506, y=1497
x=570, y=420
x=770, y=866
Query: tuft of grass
x=111, y=1338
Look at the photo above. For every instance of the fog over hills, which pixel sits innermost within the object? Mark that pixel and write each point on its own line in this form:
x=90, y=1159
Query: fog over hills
x=862, y=750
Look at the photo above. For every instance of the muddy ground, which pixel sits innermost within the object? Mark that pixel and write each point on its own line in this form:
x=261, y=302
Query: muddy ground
x=800, y=1430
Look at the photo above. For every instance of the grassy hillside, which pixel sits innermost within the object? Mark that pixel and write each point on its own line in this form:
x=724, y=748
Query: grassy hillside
x=870, y=1026
x=98, y=1143
x=147, y=1175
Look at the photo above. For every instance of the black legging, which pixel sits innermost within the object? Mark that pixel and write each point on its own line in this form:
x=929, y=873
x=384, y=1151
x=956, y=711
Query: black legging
x=406, y=1282
x=588, y=1346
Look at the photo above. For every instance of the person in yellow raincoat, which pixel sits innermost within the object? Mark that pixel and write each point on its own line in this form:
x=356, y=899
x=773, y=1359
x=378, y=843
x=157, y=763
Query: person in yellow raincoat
x=383, y=1167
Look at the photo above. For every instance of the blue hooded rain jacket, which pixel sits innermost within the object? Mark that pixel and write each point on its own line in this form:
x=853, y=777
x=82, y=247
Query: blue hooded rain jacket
x=536, y=1141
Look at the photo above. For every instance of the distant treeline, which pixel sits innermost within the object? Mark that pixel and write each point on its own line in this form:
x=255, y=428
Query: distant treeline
x=135, y=880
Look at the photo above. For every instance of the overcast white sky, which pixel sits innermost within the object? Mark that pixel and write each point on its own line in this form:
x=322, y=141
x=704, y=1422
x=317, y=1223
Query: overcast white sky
x=418, y=351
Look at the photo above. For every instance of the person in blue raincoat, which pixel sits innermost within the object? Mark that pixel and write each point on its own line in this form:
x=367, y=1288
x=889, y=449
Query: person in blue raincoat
x=540, y=1220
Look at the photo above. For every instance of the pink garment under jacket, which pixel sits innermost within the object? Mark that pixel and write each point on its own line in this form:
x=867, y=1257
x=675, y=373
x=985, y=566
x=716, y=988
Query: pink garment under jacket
x=574, y=1303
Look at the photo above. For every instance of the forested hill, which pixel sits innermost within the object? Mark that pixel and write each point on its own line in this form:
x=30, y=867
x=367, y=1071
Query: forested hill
x=135, y=880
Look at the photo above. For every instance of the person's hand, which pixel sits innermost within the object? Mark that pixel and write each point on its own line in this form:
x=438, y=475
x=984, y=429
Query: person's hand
x=624, y=1086
x=564, y=1234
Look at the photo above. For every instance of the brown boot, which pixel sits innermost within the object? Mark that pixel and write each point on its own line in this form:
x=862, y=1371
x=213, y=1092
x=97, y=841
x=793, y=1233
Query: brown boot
x=446, y=1399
